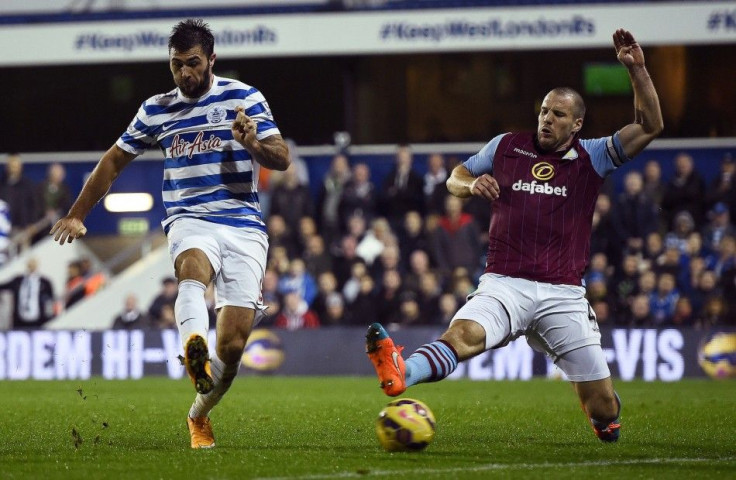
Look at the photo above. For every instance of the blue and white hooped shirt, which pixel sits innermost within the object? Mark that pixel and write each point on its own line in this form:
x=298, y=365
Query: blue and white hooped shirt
x=207, y=173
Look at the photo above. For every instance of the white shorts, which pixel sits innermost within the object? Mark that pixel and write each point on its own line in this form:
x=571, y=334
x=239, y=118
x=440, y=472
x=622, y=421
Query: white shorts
x=237, y=255
x=556, y=319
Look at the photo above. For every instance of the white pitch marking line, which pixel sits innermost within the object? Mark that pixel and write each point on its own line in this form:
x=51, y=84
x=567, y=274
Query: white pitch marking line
x=499, y=466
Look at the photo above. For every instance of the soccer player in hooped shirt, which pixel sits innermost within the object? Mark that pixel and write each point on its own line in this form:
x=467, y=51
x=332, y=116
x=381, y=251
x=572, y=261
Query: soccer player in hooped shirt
x=215, y=134
x=543, y=187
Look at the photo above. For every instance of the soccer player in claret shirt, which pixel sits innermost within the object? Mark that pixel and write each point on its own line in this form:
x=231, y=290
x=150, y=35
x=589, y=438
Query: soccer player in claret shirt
x=543, y=187
x=215, y=134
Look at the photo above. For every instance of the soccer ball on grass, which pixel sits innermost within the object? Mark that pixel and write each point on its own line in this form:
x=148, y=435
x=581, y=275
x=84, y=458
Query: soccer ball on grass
x=405, y=425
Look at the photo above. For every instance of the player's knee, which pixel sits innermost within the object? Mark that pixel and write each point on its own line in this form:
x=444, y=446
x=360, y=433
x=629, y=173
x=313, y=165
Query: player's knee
x=234, y=327
x=231, y=351
x=193, y=264
x=467, y=337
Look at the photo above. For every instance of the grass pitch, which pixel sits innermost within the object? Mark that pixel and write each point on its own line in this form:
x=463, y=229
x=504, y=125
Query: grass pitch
x=323, y=428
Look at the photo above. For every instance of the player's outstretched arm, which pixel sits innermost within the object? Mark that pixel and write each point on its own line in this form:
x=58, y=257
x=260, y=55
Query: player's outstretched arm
x=648, y=123
x=107, y=170
x=463, y=184
x=271, y=152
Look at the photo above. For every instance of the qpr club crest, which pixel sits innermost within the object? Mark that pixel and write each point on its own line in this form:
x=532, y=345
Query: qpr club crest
x=216, y=114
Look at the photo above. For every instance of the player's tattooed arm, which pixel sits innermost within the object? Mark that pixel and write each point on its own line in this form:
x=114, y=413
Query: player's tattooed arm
x=271, y=152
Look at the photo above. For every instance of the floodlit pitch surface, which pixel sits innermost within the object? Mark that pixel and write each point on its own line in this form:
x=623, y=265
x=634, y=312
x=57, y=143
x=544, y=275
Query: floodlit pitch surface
x=323, y=428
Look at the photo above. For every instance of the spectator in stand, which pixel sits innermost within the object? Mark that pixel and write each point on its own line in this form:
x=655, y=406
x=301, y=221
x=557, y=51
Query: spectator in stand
x=719, y=224
x=167, y=318
x=596, y=288
x=326, y=285
x=390, y=259
x=299, y=280
x=307, y=229
x=389, y=294
x=402, y=189
x=33, y=297
x=85, y=283
x=55, y=193
x=363, y=308
x=23, y=199
x=356, y=228
x=634, y=215
x=336, y=314
x=359, y=197
x=73, y=289
x=278, y=260
x=434, y=184
x=691, y=279
x=292, y=199
x=726, y=259
x=131, y=317
x=623, y=285
x=167, y=296
x=663, y=300
x=603, y=235
x=295, y=314
x=418, y=265
x=706, y=288
x=429, y=297
x=316, y=257
x=716, y=313
x=685, y=191
x=653, y=185
x=352, y=287
x=330, y=194
x=653, y=248
x=5, y=230
x=281, y=235
x=270, y=284
x=602, y=311
x=455, y=242
x=448, y=306
x=344, y=258
x=375, y=240
x=641, y=315
x=654, y=188
x=411, y=237
x=599, y=264
x=684, y=316
x=647, y=283
x=461, y=285
x=682, y=226
x=409, y=311
x=669, y=262
x=723, y=188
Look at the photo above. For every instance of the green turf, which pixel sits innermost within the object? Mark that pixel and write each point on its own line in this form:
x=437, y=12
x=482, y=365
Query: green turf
x=274, y=427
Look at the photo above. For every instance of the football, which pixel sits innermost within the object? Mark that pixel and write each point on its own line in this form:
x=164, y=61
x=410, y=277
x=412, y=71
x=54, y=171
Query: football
x=405, y=425
x=717, y=355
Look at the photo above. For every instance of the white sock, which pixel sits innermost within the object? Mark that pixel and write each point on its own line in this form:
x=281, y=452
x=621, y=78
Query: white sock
x=223, y=375
x=190, y=310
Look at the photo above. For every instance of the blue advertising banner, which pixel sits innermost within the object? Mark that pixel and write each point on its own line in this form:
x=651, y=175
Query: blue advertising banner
x=665, y=354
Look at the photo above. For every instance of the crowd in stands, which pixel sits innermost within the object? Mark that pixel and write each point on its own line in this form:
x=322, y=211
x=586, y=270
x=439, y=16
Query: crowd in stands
x=404, y=251
x=27, y=209
x=663, y=252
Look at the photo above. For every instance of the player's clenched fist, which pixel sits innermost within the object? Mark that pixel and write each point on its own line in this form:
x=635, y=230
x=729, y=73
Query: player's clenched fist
x=485, y=186
x=67, y=229
x=244, y=128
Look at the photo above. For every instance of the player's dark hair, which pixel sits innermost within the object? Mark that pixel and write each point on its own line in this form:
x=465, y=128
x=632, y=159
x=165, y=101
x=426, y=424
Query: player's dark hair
x=189, y=33
x=578, y=103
